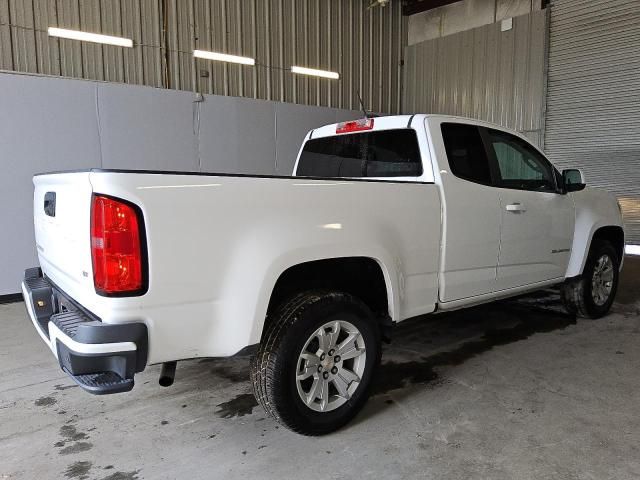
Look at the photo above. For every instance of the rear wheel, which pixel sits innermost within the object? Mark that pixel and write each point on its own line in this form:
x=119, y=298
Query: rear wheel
x=592, y=294
x=313, y=370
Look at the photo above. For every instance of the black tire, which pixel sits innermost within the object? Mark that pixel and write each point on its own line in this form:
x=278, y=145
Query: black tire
x=577, y=294
x=273, y=368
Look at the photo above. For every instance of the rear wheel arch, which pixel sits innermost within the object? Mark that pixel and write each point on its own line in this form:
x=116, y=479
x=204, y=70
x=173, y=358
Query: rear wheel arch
x=363, y=277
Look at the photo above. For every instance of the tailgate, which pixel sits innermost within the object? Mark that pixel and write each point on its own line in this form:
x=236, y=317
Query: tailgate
x=61, y=210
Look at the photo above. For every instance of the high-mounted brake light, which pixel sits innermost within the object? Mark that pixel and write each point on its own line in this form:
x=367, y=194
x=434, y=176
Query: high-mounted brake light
x=116, y=247
x=355, y=125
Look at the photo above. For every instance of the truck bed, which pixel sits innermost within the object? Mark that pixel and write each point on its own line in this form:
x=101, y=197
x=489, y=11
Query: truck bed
x=216, y=244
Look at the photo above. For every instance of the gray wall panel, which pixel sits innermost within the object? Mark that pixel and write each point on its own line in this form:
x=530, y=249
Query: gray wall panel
x=51, y=123
x=344, y=115
x=237, y=135
x=45, y=124
x=146, y=128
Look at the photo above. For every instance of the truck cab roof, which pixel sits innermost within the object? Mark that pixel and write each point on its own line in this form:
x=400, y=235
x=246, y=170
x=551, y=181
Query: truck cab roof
x=390, y=122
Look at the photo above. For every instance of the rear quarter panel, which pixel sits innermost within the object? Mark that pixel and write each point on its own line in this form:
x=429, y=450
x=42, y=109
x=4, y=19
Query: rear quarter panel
x=217, y=246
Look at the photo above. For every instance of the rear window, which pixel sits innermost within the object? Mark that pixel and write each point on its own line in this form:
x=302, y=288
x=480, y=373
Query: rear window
x=384, y=153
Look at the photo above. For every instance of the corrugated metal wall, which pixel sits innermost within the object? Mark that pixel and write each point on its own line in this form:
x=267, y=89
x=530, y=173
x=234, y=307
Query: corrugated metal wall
x=593, y=119
x=363, y=45
x=483, y=73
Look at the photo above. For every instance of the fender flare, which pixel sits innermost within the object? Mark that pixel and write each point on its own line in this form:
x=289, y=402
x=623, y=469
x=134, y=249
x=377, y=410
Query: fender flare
x=281, y=265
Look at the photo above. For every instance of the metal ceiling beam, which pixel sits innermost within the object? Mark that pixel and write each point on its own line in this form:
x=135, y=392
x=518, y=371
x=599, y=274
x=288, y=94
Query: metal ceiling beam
x=411, y=7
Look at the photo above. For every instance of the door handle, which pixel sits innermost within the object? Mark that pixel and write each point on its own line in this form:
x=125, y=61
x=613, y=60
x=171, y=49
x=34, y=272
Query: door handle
x=516, y=208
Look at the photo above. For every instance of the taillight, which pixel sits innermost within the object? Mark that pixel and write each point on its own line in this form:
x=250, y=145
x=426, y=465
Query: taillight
x=116, y=247
x=355, y=125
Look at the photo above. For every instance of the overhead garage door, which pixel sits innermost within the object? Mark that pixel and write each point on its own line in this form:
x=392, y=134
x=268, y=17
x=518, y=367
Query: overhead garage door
x=593, y=103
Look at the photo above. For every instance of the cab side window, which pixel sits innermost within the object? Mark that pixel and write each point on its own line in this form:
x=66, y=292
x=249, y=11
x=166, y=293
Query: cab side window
x=466, y=153
x=519, y=165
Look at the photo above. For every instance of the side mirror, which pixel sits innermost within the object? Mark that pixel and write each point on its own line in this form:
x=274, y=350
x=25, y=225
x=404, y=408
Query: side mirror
x=573, y=180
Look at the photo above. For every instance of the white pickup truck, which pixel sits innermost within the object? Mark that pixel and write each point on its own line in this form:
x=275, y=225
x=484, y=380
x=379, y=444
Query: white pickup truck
x=384, y=219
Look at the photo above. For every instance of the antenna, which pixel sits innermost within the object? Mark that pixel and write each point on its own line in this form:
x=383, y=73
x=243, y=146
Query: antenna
x=364, y=110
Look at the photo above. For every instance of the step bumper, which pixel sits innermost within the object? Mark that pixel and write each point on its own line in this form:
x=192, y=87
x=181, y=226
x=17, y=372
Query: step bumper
x=100, y=357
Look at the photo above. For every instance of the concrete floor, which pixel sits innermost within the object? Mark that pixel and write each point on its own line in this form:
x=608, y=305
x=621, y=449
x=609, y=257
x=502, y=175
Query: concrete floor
x=515, y=390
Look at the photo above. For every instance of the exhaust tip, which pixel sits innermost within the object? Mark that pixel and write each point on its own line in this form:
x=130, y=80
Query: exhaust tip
x=167, y=374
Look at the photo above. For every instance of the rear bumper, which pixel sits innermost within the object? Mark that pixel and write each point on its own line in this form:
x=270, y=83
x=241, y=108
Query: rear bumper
x=102, y=358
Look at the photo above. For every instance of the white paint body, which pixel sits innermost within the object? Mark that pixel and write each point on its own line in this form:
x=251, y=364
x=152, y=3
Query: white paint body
x=218, y=244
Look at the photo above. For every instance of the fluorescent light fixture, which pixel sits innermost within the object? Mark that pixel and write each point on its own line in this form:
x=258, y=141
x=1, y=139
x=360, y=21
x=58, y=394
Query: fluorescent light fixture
x=89, y=37
x=632, y=249
x=314, y=72
x=223, y=57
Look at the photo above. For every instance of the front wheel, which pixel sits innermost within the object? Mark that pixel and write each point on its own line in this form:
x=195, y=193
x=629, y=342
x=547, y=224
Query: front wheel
x=592, y=294
x=313, y=370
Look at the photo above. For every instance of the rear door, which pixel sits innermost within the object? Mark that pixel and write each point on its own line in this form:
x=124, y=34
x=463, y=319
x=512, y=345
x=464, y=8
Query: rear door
x=471, y=226
x=537, y=220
